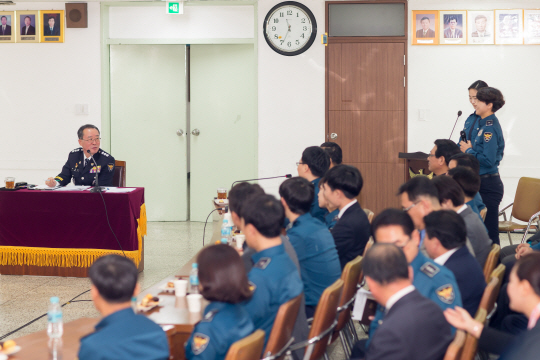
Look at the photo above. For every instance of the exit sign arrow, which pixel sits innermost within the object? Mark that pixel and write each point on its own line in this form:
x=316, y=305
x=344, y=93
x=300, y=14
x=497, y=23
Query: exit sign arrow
x=175, y=7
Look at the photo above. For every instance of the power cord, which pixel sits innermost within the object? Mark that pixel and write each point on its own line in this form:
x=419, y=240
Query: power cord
x=110, y=227
x=206, y=222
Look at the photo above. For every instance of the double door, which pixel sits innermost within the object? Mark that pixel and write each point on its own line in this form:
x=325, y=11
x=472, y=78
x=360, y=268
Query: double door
x=184, y=120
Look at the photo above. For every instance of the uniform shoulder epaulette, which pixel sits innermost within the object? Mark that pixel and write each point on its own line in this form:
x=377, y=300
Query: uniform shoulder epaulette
x=104, y=153
x=430, y=269
x=76, y=150
x=262, y=263
x=489, y=123
x=210, y=315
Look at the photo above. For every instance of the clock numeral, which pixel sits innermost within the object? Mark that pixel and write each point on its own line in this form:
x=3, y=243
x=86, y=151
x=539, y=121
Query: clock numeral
x=289, y=44
x=304, y=28
x=276, y=21
x=297, y=14
x=303, y=21
x=282, y=41
x=273, y=28
x=302, y=36
x=275, y=36
x=289, y=12
x=297, y=42
x=281, y=14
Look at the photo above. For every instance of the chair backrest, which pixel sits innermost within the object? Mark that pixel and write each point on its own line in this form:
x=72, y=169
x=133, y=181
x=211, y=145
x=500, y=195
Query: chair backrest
x=527, y=199
x=248, y=348
x=283, y=327
x=119, y=176
x=369, y=244
x=490, y=296
x=499, y=274
x=370, y=214
x=491, y=261
x=471, y=343
x=483, y=213
x=324, y=318
x=456, y=346
x=351, y=277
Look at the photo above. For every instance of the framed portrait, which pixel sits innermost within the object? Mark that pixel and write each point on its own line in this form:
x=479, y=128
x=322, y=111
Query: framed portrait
x=8, y=24
x=509, y=27
x=28, y=29
x=453, y=28
x=480, y=27
x=53, y=28
x=531, y=20
x=425, y=27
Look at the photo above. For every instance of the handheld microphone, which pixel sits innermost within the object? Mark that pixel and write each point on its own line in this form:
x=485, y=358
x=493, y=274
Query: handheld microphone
x=288, y=176
x=96, y=188
x=458, y=115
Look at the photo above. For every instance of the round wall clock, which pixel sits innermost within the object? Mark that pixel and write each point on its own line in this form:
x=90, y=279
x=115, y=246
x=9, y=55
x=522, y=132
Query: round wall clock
x=290, y=28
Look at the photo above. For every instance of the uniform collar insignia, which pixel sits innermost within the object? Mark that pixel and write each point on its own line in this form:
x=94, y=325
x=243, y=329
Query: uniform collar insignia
x=489, y=123
x=200, y=342
x=210, y=315
x=429, y=269
x=263, y=263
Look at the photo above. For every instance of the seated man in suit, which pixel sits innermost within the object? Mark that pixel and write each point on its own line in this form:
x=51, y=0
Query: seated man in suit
x=312, y=166
x=28, y=29
x=440, y=155
x=413, y=326
x=312, y=241
x=121, y=334
x=471, y=162
x=351, y=233
x=334, y=151
x=452, y=198
x=275, y=278
x=445, y=244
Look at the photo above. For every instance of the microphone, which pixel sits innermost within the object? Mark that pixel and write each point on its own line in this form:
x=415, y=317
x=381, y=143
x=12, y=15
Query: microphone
x=458, y=115
x=288, y=176
x=96, y=188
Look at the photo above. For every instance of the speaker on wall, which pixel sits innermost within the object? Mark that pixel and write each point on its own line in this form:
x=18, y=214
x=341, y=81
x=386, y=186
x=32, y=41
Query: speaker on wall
x=76, y=15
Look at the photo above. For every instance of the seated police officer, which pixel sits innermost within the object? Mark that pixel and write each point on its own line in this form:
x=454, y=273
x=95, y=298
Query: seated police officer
x=471, y=162
x=445, y=244
x=333, y=212
x=121, y=334
x=275, y=278
x=223, y=282
x=81, y=167
x=312, y=241
x=312, y=166
x=432, y=281
x=334, y=151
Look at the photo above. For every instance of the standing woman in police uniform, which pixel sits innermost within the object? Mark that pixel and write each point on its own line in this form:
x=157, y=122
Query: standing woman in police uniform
x=471, y=124
x=222, y=281
x=487, y=145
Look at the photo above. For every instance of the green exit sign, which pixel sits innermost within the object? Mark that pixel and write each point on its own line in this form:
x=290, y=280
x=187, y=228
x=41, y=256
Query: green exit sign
x=175, y=7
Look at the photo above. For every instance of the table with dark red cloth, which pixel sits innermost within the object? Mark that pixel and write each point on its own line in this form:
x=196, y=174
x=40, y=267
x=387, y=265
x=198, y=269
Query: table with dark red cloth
x=55, y=232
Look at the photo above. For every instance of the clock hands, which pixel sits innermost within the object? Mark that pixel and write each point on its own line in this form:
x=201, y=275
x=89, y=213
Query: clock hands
x=288, y=30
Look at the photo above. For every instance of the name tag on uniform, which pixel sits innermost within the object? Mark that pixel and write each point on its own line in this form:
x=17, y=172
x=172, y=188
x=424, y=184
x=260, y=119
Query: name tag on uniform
x=93, y=170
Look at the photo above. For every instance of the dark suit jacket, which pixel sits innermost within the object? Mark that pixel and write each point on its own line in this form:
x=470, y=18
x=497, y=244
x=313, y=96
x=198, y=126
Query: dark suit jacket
x=351, y=233
x=448, y=33
x=430, y=33
x=523, y=347
x=8, y=30
x=469, y=277
x=413, y=328
x=31, y=30
x=55, y=31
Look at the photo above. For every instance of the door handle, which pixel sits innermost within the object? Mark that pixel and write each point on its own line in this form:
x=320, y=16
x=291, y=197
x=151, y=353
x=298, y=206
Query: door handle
x=180, y=132
x=195, y=132
x=333, y=136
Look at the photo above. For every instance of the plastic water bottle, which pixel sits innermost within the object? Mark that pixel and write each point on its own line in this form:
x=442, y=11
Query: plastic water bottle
x=226, y=231
x=55, y=327
x=224, y=241
x=194, y=279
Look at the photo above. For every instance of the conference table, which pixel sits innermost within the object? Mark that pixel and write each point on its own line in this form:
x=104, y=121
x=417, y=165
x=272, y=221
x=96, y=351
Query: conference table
x=62, y=232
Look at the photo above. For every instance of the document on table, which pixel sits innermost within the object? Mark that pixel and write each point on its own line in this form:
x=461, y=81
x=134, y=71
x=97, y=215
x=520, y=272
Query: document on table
x=46, y=187
x=119, y=190
x=73, y=188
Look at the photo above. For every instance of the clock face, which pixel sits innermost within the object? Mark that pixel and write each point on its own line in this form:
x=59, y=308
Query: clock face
x=290, y=28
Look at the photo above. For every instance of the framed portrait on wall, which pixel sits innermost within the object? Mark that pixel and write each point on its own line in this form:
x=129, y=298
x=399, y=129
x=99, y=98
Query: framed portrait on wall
x=531, y=20
x=52, y=23
x=509, y=27
x=8, y=25
x=29, y=26
x=480, y=24
x=453, y=28
x=425, y=27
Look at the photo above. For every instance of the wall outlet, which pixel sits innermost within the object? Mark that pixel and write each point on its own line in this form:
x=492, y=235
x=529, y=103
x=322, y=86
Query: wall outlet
x=423, y=115
x=81, y=109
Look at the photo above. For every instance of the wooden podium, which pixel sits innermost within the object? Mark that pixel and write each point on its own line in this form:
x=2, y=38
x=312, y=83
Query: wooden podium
x=416, y=164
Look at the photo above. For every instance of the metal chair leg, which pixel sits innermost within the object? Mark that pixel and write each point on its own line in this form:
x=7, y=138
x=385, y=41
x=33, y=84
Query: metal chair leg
x=326, y=356
x=353, y=330
x=509, y=237
x=346, y=349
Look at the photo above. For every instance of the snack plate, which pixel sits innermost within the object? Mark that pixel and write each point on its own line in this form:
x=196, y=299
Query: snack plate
x=141, y=308
x=11, y=351
x=167, y=289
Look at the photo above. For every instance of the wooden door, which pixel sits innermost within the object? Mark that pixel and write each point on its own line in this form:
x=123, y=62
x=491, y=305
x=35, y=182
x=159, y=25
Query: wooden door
x=366, y=108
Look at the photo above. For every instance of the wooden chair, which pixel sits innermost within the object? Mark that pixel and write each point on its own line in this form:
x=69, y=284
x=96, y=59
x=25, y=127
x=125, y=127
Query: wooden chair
x=487, y=303
x=456, y=346
x=471, y=343
x=281, y=336
x=324, y=322
x=350, y=276
x=370, y=214
x=498, y=274
x=526, y=207
x=491, y=261
x=119, y=177
x=369, y=244
x=248, y=348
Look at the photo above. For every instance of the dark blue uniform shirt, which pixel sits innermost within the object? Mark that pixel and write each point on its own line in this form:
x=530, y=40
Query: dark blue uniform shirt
x=488, y=145
x=222, y=325
x=275, y=280
x=125, y=335
x=86, y=175
x=331, y=219
x=471, y=127
x=316, y=211
x=317, y=255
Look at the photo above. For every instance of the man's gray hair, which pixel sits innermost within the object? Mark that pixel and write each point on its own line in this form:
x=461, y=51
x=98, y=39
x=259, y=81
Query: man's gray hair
x=84, y=127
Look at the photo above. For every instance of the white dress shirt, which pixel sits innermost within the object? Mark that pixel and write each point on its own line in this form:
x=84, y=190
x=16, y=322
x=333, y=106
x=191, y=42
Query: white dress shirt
x=342, y=211
x=462, y=208
x=401, y=293
x=441, y=260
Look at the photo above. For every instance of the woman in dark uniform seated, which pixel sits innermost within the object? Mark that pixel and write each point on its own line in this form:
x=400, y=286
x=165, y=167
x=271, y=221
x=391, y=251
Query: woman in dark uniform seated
x=222, y=281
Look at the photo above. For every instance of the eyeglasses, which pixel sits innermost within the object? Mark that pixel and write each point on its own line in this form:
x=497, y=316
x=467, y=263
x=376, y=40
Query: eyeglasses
x=410, y=207
x=430, y=155
x=92, y=140
x=300, y=163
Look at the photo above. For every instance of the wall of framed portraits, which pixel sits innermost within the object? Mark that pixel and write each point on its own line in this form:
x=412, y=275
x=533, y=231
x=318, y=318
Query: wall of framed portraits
x=42, y=83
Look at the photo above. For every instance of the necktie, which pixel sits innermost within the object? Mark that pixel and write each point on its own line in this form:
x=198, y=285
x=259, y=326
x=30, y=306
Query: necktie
x=26, y=33
x=51, y=30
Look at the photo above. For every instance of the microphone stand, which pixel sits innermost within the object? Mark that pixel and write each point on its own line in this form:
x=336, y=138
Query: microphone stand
x=288, y=176
x=96, y=188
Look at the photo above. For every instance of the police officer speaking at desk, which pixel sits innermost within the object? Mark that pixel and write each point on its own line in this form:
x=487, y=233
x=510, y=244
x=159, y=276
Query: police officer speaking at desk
x=81, y=167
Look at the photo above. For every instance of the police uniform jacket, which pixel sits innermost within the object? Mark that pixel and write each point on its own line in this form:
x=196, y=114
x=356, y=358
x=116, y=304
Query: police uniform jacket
x=275, y=281
x=222, y=325
x=488, y=145
x=85, y=175
x=433, y=281
x=125, y=335
x=316, y=211
x=471, y=127
x=317, y=254
x=331, y=219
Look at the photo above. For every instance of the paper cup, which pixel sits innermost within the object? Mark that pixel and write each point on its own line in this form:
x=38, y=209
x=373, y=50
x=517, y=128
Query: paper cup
x=194, y=302
x=180, y=287
x=240, y=241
